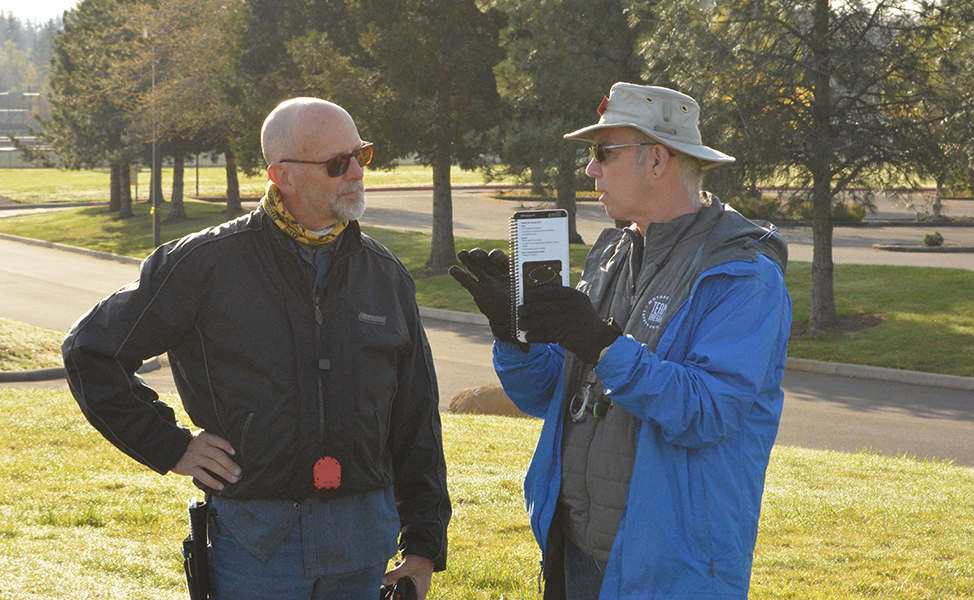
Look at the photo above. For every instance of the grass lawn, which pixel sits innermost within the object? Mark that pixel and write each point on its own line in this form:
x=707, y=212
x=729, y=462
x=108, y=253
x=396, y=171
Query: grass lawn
x=24, y=347
x=40, y=186
x=80, y=520
x=927, y=325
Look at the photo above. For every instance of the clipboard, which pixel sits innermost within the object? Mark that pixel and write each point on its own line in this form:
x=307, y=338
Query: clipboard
x=539, y=254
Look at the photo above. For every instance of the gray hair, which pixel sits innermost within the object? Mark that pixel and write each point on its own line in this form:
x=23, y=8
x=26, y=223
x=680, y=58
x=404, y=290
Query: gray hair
x=689, y=170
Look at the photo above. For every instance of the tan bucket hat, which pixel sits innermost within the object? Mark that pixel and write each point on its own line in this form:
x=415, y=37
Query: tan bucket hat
x=665, y=115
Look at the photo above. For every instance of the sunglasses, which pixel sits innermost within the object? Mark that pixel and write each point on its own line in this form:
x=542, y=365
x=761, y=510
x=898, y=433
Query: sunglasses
x=338, y=165
x=598, y=150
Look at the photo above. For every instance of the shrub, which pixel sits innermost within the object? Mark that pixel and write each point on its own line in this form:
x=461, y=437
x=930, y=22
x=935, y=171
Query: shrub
x=933, y=239
x=757, y=206
x=800, y=208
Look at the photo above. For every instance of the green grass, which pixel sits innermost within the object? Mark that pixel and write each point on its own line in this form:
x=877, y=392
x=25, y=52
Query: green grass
x=95, y=228
x=928, y=313
x=80, y=520
x=24, y=347
x=929, y=317
x=39, y=186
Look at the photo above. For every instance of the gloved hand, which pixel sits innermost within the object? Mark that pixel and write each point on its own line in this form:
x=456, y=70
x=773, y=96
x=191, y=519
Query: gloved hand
x=489, y=282
x=565, y=316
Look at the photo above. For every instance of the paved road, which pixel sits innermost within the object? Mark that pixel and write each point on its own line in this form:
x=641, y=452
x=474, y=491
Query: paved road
x=52, y=289
x=477, y=215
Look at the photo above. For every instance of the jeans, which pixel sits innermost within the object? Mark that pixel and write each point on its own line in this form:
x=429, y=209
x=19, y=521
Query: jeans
x=583, y=574
x=236, y=575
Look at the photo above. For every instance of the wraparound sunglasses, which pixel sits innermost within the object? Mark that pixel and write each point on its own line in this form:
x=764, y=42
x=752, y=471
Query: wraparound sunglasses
x=337, y=166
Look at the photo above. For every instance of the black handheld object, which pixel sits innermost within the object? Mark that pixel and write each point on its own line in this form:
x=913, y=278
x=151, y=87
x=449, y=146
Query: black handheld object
x=194, y=552
x=404, y=589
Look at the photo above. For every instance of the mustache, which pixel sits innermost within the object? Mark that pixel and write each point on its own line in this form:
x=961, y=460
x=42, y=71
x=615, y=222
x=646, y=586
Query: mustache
x=356, y=186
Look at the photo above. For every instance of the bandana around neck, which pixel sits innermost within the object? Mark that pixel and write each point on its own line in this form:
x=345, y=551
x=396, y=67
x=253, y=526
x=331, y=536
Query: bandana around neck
x=273, y=205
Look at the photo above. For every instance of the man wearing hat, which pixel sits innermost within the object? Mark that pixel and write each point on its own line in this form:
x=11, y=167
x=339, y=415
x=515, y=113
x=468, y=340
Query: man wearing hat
x=658, y=377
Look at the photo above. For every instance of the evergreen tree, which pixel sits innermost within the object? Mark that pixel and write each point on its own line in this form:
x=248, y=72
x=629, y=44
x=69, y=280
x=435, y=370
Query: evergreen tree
x=562, y=56
x=91, y=116
x=433, y=61
x=800, y=92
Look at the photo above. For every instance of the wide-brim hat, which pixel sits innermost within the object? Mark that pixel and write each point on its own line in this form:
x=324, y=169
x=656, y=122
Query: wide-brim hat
x=665, y=115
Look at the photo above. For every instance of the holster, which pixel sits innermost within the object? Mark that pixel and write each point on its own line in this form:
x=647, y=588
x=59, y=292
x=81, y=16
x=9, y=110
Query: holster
x=404, y=589
x=195, y=552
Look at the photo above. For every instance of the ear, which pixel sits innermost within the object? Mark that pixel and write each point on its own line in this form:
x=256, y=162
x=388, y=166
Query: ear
x=281, y=178
x=659, y=159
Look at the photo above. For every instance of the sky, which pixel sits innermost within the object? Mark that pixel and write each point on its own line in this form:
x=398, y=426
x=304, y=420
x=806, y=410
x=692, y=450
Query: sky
x=36, y=10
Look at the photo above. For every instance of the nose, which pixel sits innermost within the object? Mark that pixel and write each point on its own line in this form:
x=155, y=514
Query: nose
x=593, y=169
x=355, y=171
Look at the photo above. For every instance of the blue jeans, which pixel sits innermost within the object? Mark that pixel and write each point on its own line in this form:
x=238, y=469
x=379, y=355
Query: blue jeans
x=583, y=574
x=236, y=575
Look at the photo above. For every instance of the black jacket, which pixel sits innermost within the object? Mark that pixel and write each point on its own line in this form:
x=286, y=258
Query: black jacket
x=287, y=377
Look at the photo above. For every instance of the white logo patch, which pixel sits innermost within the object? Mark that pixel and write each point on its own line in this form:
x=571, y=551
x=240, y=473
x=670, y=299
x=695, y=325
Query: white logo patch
x=373, y=319
x=653, y=312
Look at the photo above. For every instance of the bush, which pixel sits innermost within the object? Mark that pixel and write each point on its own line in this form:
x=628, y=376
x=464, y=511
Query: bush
x=800, y=208
x=757, y=207
x=933, y=239
x=848, y=213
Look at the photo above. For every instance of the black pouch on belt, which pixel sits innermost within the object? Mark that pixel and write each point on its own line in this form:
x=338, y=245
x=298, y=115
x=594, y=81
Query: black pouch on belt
x=194, y=552
x=404, y=589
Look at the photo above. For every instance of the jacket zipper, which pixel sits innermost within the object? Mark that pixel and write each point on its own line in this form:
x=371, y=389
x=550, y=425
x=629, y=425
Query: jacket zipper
x=319, y=318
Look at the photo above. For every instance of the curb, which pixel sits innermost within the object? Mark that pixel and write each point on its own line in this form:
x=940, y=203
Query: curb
x=66, y=248
x=451, y=316
x=52, y=205
x=61, y=373
x=918, y=248
x=879, y=223
x=954, y=382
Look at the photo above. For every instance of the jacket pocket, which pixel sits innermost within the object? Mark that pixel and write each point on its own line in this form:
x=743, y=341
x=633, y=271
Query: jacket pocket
x=241, y=448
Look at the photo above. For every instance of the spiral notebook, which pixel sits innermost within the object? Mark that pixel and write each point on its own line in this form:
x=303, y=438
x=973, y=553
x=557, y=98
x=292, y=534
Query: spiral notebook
x=539, y=254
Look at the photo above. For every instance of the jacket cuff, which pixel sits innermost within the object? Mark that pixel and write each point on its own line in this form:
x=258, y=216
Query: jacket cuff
x=615, y=356
x=439, y=562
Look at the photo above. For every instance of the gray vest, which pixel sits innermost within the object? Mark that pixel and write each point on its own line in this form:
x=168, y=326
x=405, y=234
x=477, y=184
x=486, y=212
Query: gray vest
x=640, y=288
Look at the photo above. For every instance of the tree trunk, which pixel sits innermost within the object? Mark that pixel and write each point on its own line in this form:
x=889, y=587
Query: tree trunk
x=566, y=199
x=938, y=204
x=442, y=249
x=155, y=183
x=823, y=317
x=125, y=192
x=537, y=180
x=177, y=211
x=114, y=203
x=233, y=185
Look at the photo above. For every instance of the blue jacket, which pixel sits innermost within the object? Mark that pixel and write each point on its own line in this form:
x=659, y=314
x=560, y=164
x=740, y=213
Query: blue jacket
x=709, y=401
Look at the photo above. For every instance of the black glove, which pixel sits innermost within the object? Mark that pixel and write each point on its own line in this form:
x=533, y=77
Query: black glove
x=489, y=282
x=565, y=316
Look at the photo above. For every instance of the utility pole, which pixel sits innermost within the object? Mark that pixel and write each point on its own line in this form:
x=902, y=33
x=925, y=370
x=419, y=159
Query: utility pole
x=153, y=182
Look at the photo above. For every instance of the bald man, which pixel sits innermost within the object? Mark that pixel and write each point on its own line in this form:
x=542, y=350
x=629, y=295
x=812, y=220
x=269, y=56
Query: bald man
x=298, y=353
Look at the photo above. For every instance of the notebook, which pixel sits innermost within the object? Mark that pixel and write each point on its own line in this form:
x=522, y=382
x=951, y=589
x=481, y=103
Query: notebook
x=539, y=254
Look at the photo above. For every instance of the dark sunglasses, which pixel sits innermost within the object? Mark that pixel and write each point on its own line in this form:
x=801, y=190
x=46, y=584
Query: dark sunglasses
x=338, y=165
x=598, y=150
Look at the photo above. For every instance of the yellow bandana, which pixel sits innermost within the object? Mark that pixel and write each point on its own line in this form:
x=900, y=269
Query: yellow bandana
x=274, y=206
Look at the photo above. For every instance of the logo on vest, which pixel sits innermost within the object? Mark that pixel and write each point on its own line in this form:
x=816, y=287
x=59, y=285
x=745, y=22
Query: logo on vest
x=653, y=312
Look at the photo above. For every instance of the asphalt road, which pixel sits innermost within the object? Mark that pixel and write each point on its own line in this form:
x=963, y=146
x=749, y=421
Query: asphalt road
x=477, y=215
x=52, y=288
